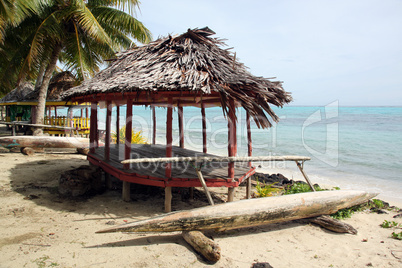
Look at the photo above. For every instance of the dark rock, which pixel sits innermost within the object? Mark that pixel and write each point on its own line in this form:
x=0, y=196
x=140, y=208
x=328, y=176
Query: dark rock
x=378, y=211
x=85, y=180
x=261, y=265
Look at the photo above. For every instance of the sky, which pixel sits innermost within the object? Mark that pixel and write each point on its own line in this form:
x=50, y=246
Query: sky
x=324, y=51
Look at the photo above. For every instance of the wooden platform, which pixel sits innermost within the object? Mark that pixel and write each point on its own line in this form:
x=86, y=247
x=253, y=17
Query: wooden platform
x=183, y=173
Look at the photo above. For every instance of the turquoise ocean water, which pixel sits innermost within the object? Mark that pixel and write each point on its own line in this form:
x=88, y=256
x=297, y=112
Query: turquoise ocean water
x=352, y=147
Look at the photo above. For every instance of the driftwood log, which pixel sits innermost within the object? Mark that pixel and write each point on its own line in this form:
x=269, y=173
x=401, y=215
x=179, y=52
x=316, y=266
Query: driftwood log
x=27, y=151
x=43, y=142
x=333, y=225
x=250, y=212
x=203, y=245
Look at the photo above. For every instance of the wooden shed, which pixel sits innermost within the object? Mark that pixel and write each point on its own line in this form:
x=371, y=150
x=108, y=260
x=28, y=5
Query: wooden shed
x=191, y=69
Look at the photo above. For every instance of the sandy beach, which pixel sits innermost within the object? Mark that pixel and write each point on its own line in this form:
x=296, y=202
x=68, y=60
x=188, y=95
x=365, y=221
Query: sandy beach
x=42, y=229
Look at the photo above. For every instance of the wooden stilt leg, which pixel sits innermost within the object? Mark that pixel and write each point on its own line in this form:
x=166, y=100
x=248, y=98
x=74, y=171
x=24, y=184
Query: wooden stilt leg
x=300, y=166
x=126, y=191
x=191, y=189
x=231, y=191
x=108, y=181
x=168, y=199
x=248, y=188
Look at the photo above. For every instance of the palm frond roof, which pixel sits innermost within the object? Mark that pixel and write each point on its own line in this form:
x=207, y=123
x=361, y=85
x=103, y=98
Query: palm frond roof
x=192, y=62
x=19, y=93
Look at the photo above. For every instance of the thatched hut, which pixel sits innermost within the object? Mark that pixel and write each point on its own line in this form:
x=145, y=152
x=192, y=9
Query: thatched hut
x=21, y=105
x=13, y=103
x=191, y=69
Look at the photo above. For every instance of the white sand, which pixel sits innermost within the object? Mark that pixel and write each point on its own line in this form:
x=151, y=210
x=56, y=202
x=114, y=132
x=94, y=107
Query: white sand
x=51, y=231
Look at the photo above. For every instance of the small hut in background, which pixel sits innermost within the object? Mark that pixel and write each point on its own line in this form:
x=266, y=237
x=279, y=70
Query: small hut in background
x=13, y=106
x=21, y=106
x=191, y=69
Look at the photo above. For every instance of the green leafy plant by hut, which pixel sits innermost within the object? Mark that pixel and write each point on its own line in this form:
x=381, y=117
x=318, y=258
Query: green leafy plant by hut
x=266, y=190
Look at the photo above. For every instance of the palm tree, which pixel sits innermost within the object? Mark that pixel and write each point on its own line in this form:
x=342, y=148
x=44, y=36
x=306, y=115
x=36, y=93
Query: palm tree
x=81, y=34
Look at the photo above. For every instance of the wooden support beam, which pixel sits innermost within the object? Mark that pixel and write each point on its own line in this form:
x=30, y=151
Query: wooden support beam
x=204, y=185
x=168, y=199
x=153, y=125
x=93, y=128
x=108, y=129
x=300, y=166
x=169, y=139
x=204, y=129
x=118, y=124
x=231, y=191
x=232, y=143
x=250, y=153
x=129, y=127
x=181, y=122
x=126, y=191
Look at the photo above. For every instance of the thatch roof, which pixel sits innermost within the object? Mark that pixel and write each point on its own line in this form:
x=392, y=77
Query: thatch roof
x=191, y=63
x=59, y=83
x=19, y=93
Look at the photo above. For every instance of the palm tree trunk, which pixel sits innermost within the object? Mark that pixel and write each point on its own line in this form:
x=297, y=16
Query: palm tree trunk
x=40, y=109
x=39, y=79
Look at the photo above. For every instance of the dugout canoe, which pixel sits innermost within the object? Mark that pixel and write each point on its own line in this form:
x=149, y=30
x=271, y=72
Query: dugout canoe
x=249, y=212
x=43, y=142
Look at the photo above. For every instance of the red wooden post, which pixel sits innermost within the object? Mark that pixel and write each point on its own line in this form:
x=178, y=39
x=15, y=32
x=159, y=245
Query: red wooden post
x=108, y=129
x=153, y=125
x=181, y=130
x=82, y=113
x=93, y=127
x=55, y=111
x=250, y=152
x=86, y=112
x=232, y=147
x=169, y=138
x=118, y=124
x=204, y=129
x=249, y=144
x=129, y=126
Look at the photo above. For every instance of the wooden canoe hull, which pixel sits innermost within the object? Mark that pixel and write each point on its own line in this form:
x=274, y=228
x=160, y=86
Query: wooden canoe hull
x=249, y=212
x=43, y=142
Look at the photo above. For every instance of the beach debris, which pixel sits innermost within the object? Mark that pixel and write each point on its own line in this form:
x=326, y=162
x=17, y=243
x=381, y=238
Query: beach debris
x=81, y=181
x=398, y=215
x=261, y=265
x=27, y=151
x=31, y=197
x=249, y=212
x=333, y=225
x=83, y=151
x=205, y=246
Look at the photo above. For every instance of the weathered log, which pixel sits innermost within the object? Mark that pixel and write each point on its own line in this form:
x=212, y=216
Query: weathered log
x=203, y=245
x=333, y=225
x=250, y=212
x=43, y=142
x=27, y=151
x=83, y=151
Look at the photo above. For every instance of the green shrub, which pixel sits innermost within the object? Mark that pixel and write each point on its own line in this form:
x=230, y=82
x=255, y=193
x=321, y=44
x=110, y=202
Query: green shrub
x=266, y=190
x=300, y=188
x=397, y=235
x=389, y=224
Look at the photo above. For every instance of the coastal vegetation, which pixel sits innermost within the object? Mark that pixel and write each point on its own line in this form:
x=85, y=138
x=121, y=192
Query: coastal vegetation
x=136, y=136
